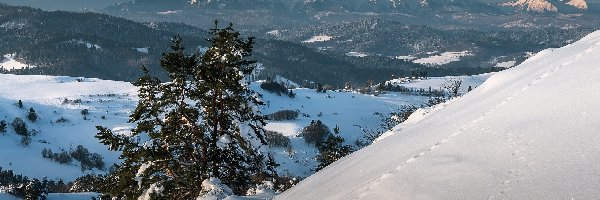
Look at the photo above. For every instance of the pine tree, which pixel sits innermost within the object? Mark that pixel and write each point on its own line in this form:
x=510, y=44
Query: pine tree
x=3, y=126
x=203, y=123
x=332, y=149
x=32, y=115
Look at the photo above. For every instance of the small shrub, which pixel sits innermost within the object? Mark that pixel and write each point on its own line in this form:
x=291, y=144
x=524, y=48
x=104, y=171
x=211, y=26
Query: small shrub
x=20, y=127
x=47, y=153
x=274, y=87
x=315, y=133
x=62, y=120
x=276, y=139
x=97, y=161
x=80, y=153
x=25, y=140
x=20, y=104
x=452, y=85
x=284, y=115
x=62, y=158
x=3, y=126
x=32, y=115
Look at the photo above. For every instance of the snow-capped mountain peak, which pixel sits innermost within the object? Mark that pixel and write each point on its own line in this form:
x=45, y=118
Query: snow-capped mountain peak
x=581, y=4
x=544, y=5
x=533, y=5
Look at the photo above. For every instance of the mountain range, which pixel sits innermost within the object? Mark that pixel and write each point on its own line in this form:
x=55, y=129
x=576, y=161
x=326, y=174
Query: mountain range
x=103, y=46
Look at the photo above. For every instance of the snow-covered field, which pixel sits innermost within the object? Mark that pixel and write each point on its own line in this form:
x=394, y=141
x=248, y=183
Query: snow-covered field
x=507, y=64
x=110, y=103
x=46, y=95
x=529, y=132
x=318, y=38
x=443, y=58
x=356, y=54
x=342, y=109
x=9, y=63
x=437, y=82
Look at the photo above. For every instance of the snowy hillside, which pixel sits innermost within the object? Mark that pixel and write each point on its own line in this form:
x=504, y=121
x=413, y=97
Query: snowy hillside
x=530, y=132
x=347, y=110
x=58, y=102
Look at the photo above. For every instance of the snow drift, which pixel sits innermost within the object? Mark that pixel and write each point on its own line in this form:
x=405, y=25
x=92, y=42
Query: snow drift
x=530, y=132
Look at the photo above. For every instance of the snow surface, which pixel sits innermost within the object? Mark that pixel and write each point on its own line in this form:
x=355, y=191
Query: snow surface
x=342, y=109
x=507, y=64
x=407, y=58
x=437, y=82
x=356, y=54
x=142, y=50
x=318, y=38
x=529, y=132
x=444, y=58
x=115, y=100
x=275, y=33
x=46, y=94
x=168, y=12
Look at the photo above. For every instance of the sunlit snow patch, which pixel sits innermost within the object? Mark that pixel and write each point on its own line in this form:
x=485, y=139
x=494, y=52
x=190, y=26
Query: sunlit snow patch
x=168, y=12
x=356, y=54
x=444, y=58
x=275, y=33
x=142, y=50
x=9, y=63
x=407, y=58
x=87, y=44
x=507, y=64
x=318, y=38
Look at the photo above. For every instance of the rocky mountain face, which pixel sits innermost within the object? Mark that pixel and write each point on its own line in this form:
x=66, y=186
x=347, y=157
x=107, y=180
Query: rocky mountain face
x=545, y=5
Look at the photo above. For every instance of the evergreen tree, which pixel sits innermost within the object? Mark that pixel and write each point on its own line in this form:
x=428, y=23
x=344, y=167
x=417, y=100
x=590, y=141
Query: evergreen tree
x=20, y=127
x=202, y=124
x=3, y=126
x=33, y=190
x=332, y=149
x=32, y=116
x=315, y=133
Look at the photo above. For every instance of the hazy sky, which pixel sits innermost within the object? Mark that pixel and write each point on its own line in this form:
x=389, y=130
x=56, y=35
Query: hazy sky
x=64, y=4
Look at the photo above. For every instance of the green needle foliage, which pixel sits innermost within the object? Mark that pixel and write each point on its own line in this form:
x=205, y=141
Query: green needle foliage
x=203, y=123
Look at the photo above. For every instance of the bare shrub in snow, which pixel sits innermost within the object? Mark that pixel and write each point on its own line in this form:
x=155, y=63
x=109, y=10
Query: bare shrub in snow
x=452, y=86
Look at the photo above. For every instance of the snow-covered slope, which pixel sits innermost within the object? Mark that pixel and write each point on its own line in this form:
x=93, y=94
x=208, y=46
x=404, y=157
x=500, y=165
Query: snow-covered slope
x=347, y=110
x=530, y=132
x=58, y=102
